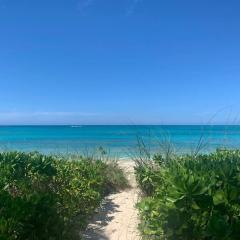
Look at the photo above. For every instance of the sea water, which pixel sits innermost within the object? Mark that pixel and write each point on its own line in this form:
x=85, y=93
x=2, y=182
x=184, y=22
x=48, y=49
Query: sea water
x=119, y=141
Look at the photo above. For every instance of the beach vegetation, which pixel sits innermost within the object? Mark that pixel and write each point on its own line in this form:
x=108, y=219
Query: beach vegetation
x=190, y=196
x=48, y=197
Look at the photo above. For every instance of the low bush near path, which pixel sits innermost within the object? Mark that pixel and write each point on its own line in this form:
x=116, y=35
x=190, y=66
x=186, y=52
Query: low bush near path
x=44, y=197
x=191, y=197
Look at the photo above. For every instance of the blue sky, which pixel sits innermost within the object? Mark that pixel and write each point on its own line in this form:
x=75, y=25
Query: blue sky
x=119, y=62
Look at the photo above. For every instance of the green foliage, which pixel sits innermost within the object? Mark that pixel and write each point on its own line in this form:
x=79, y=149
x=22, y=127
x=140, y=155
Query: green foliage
x=191, y=197
x=116, y=179
x=44, y=197
x=147, y=177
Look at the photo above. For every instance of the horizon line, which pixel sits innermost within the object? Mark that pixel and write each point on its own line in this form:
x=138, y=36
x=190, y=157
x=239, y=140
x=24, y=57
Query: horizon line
x=123, y=124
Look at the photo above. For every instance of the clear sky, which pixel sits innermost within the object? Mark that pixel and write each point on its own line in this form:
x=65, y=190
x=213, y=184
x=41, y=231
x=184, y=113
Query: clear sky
x=119, y=62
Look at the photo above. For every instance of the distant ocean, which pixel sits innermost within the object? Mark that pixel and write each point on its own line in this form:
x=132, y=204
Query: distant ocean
x=119, y=141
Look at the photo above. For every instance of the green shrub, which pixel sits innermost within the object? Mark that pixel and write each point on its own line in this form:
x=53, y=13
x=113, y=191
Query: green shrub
x=45, y=197
x=193, y=198
x=147, y=177
x=116, y=179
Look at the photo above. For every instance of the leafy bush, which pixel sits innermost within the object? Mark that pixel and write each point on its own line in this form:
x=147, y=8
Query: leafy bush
x=44, y=197
x=116, y=179
x=192, y=197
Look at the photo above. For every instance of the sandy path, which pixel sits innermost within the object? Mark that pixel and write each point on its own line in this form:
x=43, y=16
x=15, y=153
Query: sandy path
x=117, y=218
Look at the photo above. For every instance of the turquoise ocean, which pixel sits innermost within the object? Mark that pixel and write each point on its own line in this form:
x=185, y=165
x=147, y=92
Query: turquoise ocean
x=119, y=141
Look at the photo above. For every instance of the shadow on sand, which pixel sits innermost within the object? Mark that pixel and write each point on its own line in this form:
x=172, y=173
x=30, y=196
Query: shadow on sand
x=95, y=230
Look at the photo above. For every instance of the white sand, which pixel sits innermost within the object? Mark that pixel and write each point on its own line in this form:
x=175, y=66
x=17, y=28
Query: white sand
x=117, y=219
